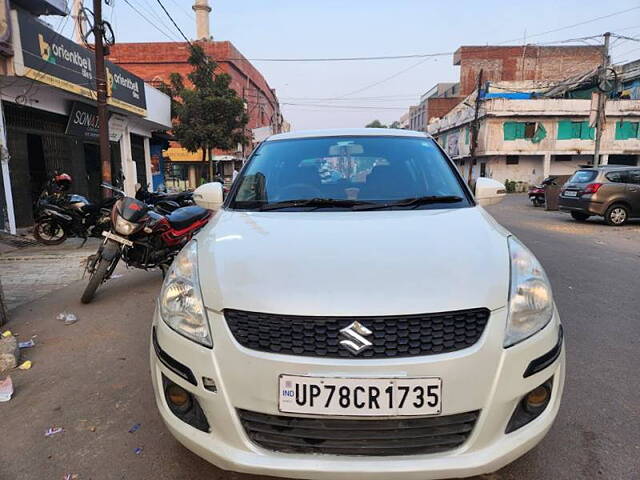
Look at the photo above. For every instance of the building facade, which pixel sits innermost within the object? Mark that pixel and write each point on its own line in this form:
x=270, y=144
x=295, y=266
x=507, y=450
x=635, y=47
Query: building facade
x=154, y=62
x=437, y=101
x=49, y=121
x=528, y=140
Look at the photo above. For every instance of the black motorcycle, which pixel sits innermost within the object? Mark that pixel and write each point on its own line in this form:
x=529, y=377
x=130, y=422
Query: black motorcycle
x=164, y=203
x=61, y=215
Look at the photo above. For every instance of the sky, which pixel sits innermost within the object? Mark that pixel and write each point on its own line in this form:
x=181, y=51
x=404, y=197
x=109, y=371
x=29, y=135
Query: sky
x=351, y=94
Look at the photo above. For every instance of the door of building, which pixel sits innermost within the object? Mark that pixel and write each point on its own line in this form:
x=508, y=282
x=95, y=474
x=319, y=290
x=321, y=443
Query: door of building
x=137, y=154
x=37, y=165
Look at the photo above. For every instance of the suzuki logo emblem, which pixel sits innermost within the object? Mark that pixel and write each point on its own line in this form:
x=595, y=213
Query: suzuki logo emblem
x=354, y=340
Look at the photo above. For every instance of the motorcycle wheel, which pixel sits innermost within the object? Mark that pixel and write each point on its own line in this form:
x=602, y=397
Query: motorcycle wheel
x=96, y=279
x=49, y=232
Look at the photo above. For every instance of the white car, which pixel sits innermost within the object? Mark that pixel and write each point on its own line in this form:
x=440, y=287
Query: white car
x=351, y=311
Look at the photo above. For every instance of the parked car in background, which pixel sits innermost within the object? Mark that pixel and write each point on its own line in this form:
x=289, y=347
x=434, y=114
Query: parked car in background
x=610, y=191
x=331, y=322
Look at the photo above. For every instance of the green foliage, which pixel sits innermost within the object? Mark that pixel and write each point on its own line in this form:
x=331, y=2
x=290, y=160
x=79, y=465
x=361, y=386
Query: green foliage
x=395, y=124
x=510, y=185
x=375, y=124
x=210, y=114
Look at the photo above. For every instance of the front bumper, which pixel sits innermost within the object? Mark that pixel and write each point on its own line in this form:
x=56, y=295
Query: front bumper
x=484, y=377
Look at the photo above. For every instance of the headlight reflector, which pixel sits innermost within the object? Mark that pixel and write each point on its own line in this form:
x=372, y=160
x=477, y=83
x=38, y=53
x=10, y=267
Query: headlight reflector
x=530, y=298
x=124, y=227
x=181, y=305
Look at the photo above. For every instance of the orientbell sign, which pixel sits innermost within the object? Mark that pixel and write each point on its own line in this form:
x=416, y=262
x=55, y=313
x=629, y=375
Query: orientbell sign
x=46, y=56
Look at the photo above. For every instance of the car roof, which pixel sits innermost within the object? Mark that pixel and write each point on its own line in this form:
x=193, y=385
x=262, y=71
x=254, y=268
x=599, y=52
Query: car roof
x=611, y=167
x=348, y=132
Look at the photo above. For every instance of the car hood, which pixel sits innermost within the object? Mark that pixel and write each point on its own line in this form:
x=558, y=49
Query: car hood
x=354, y=263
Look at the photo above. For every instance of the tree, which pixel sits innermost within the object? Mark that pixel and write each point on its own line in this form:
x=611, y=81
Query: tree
x=207, y=114
x=375, y=124
x=395, y=124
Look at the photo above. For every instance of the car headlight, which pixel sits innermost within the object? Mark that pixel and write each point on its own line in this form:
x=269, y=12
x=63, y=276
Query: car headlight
x=124, y=227
x=530, y=298
x=181, y=305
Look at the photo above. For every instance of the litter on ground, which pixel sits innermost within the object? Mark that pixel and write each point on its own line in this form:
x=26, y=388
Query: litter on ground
x=52, y=431
x=6, y=333
x=6, y=389
x=67, y=318
x=135, y=428
x=26, y=365
x=27, y=344
x=138, y=450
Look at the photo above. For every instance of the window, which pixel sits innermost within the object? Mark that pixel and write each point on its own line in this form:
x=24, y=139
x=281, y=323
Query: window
x=533, y=131
x=634, y=177
x=626, y=130
x=621, y=176
x=466, y=135
x=568, y=130
x=368, y=168
x=513, y=159
x=562, y=158
x=483, y=169
x=583, y=176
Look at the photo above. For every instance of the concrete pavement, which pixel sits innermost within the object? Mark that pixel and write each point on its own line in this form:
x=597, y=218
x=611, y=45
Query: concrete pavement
x=92, y=378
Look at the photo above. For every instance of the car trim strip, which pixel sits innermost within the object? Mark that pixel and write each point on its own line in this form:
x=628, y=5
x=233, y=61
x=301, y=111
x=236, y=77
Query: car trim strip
x=171, y=363
x=547, y=359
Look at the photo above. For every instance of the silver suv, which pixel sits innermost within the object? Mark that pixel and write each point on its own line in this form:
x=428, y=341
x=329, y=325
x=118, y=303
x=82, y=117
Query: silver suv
x=612, y=192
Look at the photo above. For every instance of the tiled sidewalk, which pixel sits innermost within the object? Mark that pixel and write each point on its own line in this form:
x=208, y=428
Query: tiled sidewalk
x=32, y=272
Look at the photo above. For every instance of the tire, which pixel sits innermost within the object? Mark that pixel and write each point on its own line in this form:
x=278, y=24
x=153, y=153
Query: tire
x=537, y=202
x=616, y=215
x=95, y=280
x=579, y=216
x=45, y=231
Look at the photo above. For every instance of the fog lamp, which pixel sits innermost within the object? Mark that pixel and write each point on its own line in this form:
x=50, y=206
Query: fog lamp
x=537, y=398
x=178, y=397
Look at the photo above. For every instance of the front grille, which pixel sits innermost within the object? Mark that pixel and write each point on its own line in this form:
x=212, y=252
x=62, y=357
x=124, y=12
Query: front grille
x=393, y=336
x=415, y=436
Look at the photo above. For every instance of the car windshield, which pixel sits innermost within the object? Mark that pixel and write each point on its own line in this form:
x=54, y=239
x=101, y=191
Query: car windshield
x=358, y=173
x=583, y=176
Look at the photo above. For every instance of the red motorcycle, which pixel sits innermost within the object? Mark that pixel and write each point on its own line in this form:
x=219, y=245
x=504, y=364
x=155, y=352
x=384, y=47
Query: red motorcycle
x=142, y=238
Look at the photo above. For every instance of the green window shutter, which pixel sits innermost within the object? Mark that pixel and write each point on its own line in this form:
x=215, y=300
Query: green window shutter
x=520, y=130
x=586, y=132
x=576, y=129
x=541, y=133
x=509, y=129
x=466, y=136
x=565, y=130
x=626, y=130
x=636, y=129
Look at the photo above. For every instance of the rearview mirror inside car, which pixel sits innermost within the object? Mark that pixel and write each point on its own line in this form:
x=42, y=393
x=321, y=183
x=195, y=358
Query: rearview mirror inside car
x=209, y=195
x=489, y=191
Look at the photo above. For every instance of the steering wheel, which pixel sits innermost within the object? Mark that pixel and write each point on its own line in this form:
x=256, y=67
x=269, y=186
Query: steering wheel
x=296, y=191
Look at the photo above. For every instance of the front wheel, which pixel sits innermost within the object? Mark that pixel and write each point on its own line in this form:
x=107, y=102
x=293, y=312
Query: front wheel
x=49, y=231
x=96, y=279
x=616, y=215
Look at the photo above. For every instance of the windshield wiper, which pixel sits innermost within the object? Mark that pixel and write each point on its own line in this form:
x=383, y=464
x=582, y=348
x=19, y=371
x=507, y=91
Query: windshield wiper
x=315, y=203
x=412, y=202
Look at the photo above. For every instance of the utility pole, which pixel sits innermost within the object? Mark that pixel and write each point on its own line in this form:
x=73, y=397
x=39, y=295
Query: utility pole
x=475, y=128
x=602, y=99
x=101, y=86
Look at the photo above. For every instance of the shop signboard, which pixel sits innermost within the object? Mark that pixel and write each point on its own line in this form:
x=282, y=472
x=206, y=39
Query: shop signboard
x=44, y=55
x=83, y=121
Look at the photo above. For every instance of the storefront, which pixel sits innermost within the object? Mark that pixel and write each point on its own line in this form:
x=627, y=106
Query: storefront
x=51, y=121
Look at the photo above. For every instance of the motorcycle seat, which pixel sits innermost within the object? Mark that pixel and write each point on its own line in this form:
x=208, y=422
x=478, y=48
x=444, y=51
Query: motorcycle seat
x=185, y=216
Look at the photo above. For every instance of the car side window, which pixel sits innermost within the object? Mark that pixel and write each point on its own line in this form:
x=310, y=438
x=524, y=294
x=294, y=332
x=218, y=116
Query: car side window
x=617, y=177
x=634, y=177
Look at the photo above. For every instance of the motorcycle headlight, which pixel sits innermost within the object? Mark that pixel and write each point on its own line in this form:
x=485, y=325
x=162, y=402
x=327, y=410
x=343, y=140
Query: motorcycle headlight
x=530, y=298
x=124, y=227
x=181, y=305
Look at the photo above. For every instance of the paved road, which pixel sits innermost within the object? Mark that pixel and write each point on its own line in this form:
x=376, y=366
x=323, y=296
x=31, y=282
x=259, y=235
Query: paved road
x=92, y=378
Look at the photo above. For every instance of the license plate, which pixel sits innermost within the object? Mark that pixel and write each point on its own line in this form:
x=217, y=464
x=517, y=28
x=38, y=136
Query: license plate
x=366, y=397
x=117, y=238
x=570, y=193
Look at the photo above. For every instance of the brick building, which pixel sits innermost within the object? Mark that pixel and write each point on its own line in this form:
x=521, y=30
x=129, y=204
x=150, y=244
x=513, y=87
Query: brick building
x=525, y=62
x=154, y=62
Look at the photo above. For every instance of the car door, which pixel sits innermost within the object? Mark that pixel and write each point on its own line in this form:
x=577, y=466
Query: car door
x=633, y=191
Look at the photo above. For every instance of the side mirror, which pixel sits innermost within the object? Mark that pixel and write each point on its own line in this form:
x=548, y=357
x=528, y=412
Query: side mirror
x=209, y=195
x=489, y=191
